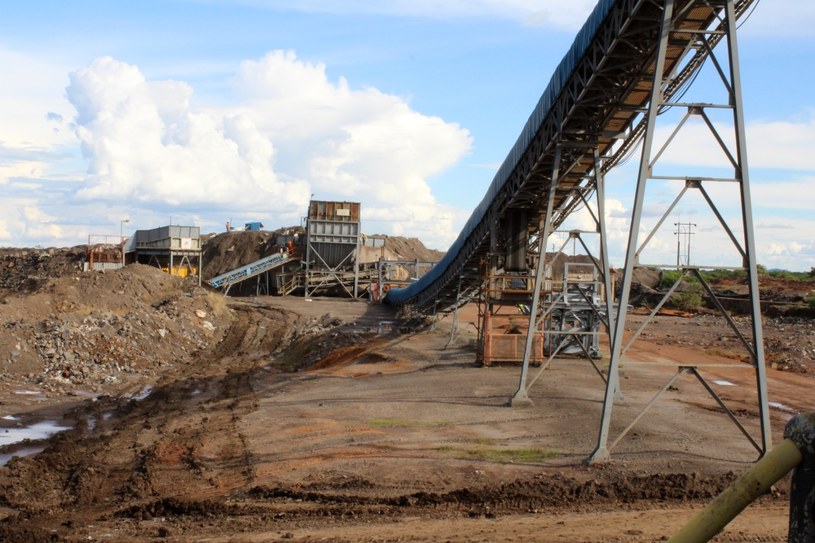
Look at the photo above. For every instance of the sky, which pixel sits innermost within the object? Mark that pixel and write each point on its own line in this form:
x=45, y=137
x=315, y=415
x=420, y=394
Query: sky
x=117, y=116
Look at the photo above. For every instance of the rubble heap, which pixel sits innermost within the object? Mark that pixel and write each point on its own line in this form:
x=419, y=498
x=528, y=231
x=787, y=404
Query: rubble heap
x=99, y=329
x=26, y=270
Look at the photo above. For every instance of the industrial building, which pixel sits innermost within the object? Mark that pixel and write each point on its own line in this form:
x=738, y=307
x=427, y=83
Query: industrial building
x=175, y=249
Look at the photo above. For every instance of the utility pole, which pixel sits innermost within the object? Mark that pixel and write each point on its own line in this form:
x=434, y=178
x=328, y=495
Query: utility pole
x=686, y=230
x=122, y=237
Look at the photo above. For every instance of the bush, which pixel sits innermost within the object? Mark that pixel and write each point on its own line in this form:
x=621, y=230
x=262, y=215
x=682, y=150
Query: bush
x=667, y=278
x=791, y=276
x=713, y=275
x=688, y=300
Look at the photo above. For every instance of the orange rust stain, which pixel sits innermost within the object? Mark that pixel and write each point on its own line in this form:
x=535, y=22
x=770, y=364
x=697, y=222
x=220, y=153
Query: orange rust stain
x=340, y=357
x=170, y=453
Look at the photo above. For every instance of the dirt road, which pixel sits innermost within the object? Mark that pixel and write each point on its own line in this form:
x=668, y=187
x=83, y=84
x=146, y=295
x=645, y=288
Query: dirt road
x=303, y=423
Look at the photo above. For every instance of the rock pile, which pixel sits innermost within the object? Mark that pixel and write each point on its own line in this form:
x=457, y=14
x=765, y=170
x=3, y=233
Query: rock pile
x=25, y=270
x=790, y=344
x=102, y=329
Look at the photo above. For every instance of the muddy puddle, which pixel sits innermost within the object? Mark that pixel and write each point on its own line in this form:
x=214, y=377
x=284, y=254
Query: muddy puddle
x=25, y=434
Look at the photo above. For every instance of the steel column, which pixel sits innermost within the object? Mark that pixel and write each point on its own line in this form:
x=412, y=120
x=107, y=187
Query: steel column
x=747, y=218
x=520, y=397
x=601, y=451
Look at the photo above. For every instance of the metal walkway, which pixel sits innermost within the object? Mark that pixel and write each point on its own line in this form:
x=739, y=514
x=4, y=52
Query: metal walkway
x=226, y=280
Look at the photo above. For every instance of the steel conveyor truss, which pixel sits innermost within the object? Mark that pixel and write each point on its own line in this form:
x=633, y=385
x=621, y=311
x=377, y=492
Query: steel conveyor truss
x=595, y=102
x=596, y=109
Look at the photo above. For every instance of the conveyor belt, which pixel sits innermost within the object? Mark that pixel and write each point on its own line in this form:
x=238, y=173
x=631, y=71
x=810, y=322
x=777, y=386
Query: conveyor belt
x=596, y=97
x=248, y=271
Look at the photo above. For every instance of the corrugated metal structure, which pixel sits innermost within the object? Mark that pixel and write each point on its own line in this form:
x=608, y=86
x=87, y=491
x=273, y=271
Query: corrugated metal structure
x=104, y=253
x=175, y=249
x=333, y=238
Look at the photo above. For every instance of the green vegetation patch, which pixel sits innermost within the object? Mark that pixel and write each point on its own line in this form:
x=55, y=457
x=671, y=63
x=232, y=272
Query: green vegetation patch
x=687, y=301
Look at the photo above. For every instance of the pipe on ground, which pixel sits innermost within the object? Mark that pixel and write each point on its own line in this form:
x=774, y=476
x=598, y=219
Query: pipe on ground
x=795, y=450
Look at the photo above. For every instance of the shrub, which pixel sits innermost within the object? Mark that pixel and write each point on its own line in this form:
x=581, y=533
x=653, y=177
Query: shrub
x=669, y=277
x=688, y=300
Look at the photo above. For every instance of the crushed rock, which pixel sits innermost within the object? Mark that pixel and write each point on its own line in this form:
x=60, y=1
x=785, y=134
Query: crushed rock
x=96, y=329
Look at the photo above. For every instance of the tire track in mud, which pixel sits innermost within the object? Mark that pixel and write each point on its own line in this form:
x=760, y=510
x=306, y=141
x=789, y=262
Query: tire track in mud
x=522, y=495
x=199, y=449
x=337, y=505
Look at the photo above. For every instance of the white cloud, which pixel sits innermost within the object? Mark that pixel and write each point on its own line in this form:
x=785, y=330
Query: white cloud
x=22, y=218
x=291, y=133
x=778, y=144
x=784, y=195
x=144, y=142
x=781, y=18
x=350, y=144
x=782, y=144
x=787, y=244
x=34, y=105
x=19, y=168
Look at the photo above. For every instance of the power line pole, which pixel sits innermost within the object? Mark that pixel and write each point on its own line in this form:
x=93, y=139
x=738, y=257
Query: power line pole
x=683, y=230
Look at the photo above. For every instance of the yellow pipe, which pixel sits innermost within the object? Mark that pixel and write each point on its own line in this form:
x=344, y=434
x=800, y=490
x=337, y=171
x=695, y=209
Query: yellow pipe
x=758, y=480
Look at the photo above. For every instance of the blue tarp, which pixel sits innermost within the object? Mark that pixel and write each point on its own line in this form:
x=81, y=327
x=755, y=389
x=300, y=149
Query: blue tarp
x=553, y=89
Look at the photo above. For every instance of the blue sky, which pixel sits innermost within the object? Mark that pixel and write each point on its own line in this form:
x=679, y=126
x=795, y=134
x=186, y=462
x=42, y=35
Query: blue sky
x=202, y=111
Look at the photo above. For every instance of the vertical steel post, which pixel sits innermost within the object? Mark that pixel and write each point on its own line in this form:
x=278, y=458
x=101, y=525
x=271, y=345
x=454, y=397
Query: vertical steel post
x=492, y=271
x=455, y=315
x=357, y=250
x=308, y=253
x=379, y=284
x=520, y=397
x=747, y=217
x=600, y=189
x=600, y=183
x=601, y=451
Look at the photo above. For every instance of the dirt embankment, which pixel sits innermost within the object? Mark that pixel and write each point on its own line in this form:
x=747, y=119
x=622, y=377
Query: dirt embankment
x=409, y=249
x=26, y=270
x=229, y=250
